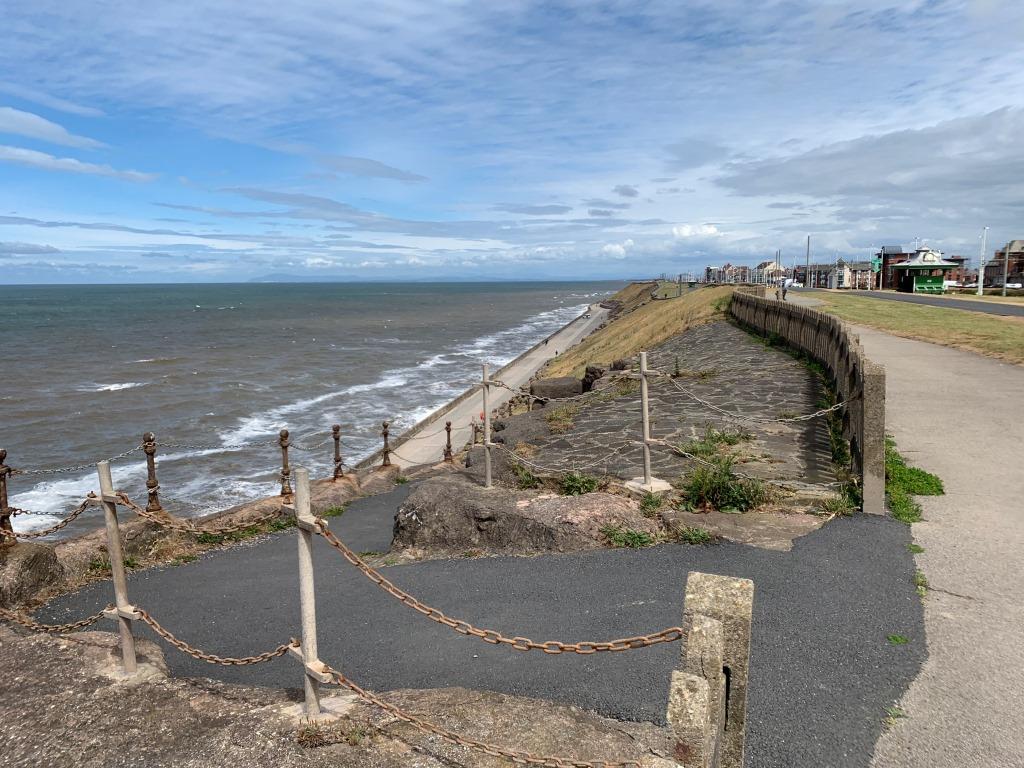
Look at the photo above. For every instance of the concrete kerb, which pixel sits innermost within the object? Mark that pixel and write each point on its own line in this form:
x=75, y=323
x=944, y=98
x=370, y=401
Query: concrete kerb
x=708, y=695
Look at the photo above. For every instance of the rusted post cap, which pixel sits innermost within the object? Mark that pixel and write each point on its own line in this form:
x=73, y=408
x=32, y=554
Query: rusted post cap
x=336, y=429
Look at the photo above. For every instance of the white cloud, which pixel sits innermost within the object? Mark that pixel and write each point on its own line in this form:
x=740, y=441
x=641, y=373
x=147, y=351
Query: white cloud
x=617, y=250
x=35, y=127
x=683, y=231
x=34, y=159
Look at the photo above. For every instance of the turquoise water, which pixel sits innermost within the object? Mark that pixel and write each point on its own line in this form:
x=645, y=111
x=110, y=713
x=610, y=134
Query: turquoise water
x=88, y=369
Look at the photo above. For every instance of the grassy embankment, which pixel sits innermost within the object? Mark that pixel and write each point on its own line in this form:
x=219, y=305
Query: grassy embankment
x=992, y=335
x=647, y=325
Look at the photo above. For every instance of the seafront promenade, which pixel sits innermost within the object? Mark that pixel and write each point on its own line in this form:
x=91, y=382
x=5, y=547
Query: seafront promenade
x=425, y=444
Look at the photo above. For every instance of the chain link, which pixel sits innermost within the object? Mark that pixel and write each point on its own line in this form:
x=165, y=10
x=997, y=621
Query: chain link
x=77, y=468
x=669, y=635
x=4, y=534
x=56, y=629
x=165, y=520
x=515, y=755
x=209, y=658
x=200, y=447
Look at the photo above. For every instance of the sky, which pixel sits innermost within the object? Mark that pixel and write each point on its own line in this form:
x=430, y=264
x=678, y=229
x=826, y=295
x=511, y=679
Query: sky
x=205, y=140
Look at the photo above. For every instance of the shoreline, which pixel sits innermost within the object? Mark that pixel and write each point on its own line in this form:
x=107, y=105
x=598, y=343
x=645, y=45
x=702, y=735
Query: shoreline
x=438, y=415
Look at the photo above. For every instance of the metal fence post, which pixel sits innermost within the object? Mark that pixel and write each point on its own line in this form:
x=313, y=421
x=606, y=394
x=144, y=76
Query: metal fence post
x=386, y=451
x=5, y=514
x=286, y=482
x=339, y=469
x=123, y=610
x=306, y=524
x=486, y=390
x=448, y=442
x=152, y=485
x=646, y=419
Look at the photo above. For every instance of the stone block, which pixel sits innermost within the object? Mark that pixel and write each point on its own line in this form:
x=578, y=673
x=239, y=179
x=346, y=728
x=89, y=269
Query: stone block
x=25, y=568
x=562, y=386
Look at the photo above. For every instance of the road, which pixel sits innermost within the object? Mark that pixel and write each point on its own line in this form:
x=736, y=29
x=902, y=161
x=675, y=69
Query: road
x=967, y=705
x=822, y=670
x=428, y=445
x=987, y=307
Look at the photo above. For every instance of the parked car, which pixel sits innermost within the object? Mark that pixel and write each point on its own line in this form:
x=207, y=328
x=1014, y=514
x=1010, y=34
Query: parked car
x=1015, y=285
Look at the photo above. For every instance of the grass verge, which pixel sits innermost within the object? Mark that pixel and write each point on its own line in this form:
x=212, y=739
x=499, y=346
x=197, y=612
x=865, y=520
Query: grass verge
x=716, y=486
x=992, y=335
x=627, y=537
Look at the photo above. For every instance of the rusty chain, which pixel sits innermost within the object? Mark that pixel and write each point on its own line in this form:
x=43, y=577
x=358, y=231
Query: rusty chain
x=4, y=534
x=164, y=520
x=515, y=755
x=669, y=635
x=56, y=629
x=209, y=658
x=76, y=468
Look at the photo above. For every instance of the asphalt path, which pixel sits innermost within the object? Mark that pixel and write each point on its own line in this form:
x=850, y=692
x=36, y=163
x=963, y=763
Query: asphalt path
x=822, y=669
x=987, y=307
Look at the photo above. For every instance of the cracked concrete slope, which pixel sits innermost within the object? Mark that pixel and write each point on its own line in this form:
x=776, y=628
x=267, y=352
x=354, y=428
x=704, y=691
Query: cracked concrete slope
x=958, y=414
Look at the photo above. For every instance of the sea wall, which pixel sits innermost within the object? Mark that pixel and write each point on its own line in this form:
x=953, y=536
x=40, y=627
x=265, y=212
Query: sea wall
x=857, y=381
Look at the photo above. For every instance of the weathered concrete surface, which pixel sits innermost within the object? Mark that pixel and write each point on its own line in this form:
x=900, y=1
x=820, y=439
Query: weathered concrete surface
x=58, y=708
x=770, y=530
x=967, y=705
x=561, y=386
x=453, y=515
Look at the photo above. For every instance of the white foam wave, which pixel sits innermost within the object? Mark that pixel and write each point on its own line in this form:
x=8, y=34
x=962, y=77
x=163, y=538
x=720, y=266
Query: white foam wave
x=112, y=387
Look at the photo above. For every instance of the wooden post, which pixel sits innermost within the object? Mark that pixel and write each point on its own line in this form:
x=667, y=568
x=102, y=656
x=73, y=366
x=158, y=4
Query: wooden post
x=286, y=473
x=386, y=452
x=486, y=390
x=5, y=513
x=338, y=468
x=152, y=486
x=646, y=419
x=448, y=442
x=307, y=592
x=122, y=608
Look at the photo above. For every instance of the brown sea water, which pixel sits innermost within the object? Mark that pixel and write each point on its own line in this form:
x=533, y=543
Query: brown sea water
x=87, y=369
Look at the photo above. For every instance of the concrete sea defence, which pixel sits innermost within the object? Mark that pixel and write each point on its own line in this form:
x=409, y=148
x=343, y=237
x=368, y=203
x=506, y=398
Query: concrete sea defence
x=858, y=381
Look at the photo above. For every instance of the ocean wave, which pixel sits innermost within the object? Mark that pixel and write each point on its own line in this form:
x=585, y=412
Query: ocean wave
x=112, y=387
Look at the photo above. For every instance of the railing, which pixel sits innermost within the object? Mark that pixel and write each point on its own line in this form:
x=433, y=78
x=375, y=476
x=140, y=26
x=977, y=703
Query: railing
x=706, y=715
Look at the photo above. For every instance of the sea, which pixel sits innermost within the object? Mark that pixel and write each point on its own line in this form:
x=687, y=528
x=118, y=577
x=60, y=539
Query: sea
x=216, y=370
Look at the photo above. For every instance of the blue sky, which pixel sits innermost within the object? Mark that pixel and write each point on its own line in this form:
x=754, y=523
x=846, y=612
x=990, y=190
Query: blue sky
x=218, y=141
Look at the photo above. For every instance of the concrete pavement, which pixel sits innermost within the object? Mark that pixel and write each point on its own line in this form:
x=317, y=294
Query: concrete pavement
x=427, y=445
x=959, y=415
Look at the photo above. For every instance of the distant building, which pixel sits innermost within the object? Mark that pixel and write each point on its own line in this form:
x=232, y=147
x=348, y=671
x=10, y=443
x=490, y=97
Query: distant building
x=767, y=272
x=837, y=274
x=891, y=254
x=962, y=273
x=1014, y=269
x=924, y=272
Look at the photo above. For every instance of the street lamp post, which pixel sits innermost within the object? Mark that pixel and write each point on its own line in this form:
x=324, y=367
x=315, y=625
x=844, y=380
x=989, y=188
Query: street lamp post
x=1006, y=266
x=981, y=263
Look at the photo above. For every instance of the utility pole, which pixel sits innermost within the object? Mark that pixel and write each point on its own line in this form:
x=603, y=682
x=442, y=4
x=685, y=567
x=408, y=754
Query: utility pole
x=1006, y=265
x=807, y=266
x=981, y=263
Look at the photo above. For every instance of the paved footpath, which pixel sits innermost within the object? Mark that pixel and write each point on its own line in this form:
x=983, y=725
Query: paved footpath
x=428, y=447
x=959, y=415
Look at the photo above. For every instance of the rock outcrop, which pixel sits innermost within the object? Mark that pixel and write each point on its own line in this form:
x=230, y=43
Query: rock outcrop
x=25, y=568
x=450, y=515
x=562, y=386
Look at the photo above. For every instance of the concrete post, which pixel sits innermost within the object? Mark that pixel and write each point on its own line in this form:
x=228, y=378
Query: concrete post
x=645, y=418
x=123, y=609
x=486, y=390
x=872, y=430
x=730, y=602
x=307, y=592
x=696, y=697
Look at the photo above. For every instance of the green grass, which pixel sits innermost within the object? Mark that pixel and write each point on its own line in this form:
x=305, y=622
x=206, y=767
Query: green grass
x=525, y=479
x=281, y=523
x=993, y=335
x=334, y=511
x=401, y=480
x=920, y=583
x=577, y=483
x=903, y=482
x=626, y=537
x=650, y=503
x=915, y=549
x=560, y=420
x=102, y=564
x=714, y=440
x=893, y=713
x=897, y=639
x=692, y=534
x=840, y=505
x=718, y=487
x=183, y=559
